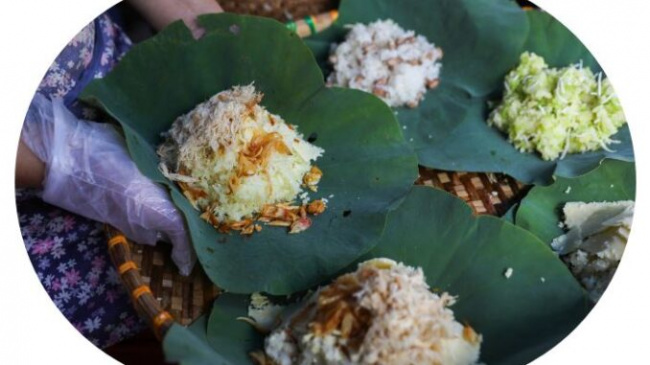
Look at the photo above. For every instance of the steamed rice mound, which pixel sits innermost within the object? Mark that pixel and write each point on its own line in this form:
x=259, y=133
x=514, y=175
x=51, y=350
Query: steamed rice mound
x=383, y=313
x=232, y=158
x=557, y=111
x=396, y=65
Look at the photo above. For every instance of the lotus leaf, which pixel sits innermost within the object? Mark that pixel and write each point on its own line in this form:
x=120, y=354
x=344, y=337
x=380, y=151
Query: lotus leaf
x=519, y=317
x=482, y=41
x=187, y=346
x=367, y=164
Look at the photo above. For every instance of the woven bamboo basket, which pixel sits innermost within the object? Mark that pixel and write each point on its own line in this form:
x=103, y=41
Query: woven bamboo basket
x=283, y=10
x=162, y=296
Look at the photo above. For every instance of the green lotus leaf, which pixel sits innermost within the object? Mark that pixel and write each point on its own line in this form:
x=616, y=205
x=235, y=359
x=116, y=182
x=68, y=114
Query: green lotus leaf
x=231, y=344
x=482, y=41
x=189, y=345
x=520, y=318
x=541, y=210
x=367, y=163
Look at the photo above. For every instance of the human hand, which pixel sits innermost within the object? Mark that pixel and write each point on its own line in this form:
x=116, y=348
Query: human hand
x=89, y=172
x=160, y=13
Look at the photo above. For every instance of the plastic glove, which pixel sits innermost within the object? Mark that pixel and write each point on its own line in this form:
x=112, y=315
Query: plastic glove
x=89, y=172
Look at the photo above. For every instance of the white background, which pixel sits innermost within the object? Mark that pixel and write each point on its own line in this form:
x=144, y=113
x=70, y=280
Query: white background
x=32, y=331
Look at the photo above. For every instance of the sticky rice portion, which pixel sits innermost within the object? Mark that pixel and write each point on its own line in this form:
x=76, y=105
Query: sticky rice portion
x=383, y=313
x=232, y=157
x=557, y=111
x=382, y=58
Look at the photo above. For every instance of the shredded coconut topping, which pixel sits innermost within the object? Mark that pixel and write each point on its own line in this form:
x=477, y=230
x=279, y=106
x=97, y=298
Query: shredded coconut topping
x=232, y=159
x=384, y=313
x=382, y=58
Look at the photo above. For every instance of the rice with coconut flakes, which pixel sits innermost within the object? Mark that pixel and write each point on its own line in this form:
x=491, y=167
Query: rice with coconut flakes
x=234, y=159
x=382, y=58
x=384, y=313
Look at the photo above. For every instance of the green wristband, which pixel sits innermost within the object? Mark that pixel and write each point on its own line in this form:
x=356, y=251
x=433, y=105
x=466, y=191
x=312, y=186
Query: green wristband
x=310, y=21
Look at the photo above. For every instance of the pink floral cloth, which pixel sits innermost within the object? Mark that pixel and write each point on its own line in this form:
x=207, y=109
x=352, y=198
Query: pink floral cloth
x=69, y=252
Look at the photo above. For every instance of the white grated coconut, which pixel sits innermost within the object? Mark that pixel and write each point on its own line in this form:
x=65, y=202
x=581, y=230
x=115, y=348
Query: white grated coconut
x=384, y=313
x=382, y=58
x=232, y=157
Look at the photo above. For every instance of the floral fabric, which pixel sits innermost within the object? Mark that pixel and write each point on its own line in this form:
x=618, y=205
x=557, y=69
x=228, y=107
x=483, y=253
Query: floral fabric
x=70, y=257
x=90, y=54
x=69, y=252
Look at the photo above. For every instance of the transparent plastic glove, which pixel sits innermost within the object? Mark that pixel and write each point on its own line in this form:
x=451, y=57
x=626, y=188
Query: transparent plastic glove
x=89, y=172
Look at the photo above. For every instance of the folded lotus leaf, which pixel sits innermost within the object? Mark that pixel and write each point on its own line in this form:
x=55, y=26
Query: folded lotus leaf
x=540, y=211
x=481, y=40
x=193, y=345
x=367, y=164
x=189, y=345
x=520, y=317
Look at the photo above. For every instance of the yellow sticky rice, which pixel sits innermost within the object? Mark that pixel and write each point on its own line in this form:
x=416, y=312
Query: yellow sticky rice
x=232, y=157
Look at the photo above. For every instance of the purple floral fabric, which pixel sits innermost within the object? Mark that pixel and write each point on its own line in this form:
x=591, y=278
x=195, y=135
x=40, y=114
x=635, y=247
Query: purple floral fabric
x=69, y=252
x=70, y=257
x=91, y=54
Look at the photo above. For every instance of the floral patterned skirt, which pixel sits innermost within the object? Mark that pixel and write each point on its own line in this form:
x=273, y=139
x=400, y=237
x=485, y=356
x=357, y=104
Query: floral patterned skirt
x=69, y=252
x=71, y=260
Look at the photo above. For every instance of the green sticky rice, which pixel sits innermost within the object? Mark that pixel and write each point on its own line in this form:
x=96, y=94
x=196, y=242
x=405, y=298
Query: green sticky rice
x=556, y=111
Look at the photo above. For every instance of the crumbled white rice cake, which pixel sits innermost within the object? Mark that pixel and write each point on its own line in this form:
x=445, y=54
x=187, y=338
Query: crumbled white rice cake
x=594, y=244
